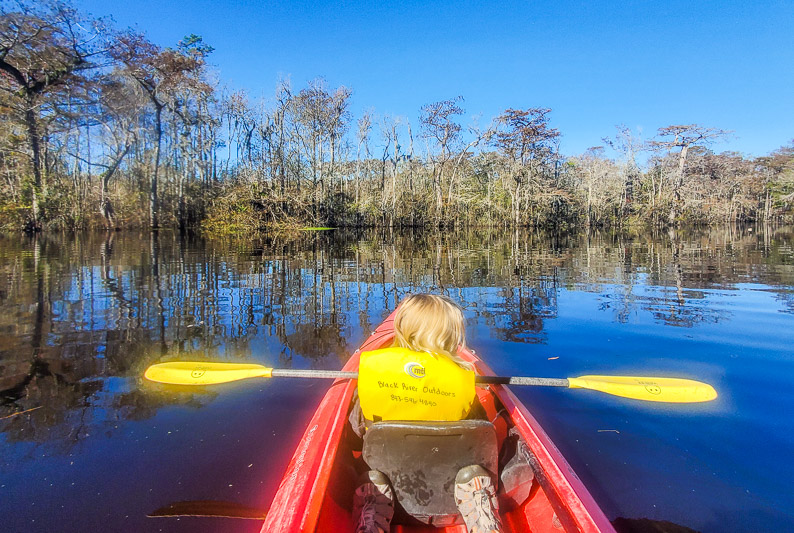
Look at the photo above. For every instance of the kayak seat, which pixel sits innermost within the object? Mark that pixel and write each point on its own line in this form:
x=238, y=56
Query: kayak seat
x=421, y=460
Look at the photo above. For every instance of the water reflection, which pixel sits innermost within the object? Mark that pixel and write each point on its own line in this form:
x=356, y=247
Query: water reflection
x=81, y=316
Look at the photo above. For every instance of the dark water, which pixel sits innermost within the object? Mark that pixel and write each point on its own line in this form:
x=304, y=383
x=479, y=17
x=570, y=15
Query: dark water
x=87, y=445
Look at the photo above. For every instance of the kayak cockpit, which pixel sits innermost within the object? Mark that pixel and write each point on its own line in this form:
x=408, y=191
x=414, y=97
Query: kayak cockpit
x=541, y=495
x=421, y=460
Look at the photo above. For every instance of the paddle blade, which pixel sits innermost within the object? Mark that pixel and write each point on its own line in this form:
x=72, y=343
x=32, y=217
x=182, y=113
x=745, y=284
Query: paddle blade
x=672, y=390
x=209, y=508
x=204, y=373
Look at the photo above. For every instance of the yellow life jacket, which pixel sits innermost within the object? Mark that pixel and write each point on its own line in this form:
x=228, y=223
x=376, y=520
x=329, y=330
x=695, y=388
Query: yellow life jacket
x=400, y=384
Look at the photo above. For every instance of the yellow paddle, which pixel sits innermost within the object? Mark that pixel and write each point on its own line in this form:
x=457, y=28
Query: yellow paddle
x=652, y=389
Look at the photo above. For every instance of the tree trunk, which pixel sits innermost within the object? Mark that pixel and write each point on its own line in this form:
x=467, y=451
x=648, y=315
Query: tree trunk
x=105, y=206
x=767, y=206
x=588, y=221
x=154, y=203
x=675, y=208
x=439, y=177
x=35, y=148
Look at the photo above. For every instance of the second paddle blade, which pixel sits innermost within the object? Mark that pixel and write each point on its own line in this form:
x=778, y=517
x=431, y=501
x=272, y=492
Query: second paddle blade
x=653, y=389
x=198, y=373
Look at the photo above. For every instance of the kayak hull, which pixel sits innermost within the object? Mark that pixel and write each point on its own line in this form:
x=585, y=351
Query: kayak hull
x=315, y=493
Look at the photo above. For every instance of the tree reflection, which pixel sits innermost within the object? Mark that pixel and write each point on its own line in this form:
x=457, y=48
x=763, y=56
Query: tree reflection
x=81, y=317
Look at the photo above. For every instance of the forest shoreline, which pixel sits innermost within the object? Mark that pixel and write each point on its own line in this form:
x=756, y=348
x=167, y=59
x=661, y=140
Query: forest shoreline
x=101, y=127
x=288, y=233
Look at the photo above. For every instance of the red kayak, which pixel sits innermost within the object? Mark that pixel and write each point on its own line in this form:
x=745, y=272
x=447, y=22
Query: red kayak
x=315, y=494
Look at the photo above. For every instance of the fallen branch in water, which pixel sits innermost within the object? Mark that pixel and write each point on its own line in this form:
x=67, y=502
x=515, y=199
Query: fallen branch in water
x=20, y=413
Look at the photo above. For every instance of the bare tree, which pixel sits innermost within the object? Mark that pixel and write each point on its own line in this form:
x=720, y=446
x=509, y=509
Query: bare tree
x=438, y=124
x=528, y=142
x=160, y=73
x=362, y=136
x=44, y=49
x=601, y=185
x=628, y=145
x=321, y=118
x=778, y=176
x=120, y=116
x=683, y=137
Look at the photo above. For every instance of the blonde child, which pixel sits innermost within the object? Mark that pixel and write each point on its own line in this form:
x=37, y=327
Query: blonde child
x=429, y=329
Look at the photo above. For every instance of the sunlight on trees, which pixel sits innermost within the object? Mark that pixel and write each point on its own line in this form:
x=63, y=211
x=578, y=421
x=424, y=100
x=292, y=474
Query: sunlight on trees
x=103, y=128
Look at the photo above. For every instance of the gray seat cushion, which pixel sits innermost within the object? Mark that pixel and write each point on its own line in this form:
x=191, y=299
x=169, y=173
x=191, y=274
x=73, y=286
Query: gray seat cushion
x=421, y=459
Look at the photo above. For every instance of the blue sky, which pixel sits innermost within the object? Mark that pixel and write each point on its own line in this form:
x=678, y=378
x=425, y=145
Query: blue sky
x=646, y=64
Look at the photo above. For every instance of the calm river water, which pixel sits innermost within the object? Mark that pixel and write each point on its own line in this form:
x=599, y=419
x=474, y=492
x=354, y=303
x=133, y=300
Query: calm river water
x=87, y=445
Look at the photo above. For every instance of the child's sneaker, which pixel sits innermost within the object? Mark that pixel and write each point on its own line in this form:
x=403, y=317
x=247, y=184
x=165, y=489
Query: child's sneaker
x=475, y=496
x=373, y=503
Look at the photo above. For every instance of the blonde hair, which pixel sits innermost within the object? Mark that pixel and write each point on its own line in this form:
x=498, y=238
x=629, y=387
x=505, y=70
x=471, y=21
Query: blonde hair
x=430, y=323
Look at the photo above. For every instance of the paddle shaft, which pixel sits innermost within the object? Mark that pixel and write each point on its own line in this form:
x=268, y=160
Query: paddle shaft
x=497, y=380
x=517, y=380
